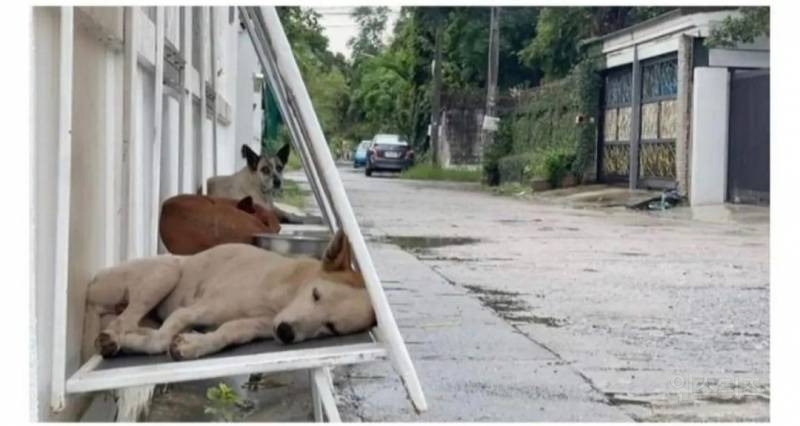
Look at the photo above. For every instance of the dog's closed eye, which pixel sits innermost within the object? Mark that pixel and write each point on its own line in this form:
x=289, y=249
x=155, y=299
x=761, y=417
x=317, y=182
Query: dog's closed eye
x=332, y=328
x=315, y=294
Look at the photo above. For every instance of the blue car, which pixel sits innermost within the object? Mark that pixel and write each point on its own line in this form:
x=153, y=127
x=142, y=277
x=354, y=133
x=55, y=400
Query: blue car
x=360, y=156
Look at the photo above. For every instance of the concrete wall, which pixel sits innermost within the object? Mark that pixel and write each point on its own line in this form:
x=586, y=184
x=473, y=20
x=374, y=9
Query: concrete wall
x=709, y=136
x=460, y=136
x=100, y=214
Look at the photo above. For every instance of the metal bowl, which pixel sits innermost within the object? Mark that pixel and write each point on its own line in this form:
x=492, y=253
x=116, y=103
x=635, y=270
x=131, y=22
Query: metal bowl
x=293, y=244
x=306, y=230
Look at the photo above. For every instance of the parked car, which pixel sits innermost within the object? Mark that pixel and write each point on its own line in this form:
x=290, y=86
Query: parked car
x=388, y=153
x=360, y=155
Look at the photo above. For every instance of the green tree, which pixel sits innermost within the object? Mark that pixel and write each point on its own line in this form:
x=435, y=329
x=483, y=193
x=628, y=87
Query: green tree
x=751, y=22
x=324, y=73
x=467, y=45
x=371, y=26
x=554, y=49
x=388, y=88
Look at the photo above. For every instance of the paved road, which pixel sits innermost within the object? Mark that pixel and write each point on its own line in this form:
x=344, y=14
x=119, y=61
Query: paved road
x=518, y=311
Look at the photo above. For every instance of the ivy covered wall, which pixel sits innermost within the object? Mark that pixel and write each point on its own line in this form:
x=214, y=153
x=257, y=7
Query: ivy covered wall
x=550, y=133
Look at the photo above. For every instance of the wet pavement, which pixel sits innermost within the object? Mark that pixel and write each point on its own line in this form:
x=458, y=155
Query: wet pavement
x=573, y=308
x=532, y=310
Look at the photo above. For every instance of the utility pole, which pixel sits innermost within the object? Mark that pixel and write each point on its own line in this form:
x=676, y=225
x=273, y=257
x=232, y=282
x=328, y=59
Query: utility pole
x=436, y=95
x=489, y=119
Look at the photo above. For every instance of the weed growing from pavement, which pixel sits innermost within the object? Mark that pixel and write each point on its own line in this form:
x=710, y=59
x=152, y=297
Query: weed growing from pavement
x=224, y=404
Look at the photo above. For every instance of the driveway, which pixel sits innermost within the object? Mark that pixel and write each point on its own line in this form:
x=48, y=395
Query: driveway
x=530, y=311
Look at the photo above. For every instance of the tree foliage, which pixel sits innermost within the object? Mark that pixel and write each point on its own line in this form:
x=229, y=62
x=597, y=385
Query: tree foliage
x=386, y=86
x=752, y=22
x=371, y=25
x=323, y=72
x=559, y=30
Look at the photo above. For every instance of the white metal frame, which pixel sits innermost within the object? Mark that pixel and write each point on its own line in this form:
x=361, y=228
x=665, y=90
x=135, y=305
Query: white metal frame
x=284, y=77
x=186, y=107
x=157, y=129
x=63, y=207
x=277, y=61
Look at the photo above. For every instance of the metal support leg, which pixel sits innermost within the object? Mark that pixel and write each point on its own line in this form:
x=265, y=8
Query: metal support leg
x=275, y=54
x=316, y=402
x=322, y=395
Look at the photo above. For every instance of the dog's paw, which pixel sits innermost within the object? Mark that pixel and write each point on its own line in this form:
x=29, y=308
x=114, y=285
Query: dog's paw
x=106, y=344
x=185, y=346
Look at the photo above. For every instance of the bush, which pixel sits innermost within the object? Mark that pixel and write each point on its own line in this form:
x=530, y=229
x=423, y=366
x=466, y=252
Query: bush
x=516, y=168
x=556, y=166
x=552, y=164
x=492, y=154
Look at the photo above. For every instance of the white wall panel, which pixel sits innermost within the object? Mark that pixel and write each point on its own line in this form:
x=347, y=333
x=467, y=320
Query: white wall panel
x=709, y=160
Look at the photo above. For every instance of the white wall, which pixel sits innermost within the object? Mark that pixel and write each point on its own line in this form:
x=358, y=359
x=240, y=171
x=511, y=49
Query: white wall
x=44, y=168
x=99, y=210
x=709, y=168
x=738, y=58
x=248, y=101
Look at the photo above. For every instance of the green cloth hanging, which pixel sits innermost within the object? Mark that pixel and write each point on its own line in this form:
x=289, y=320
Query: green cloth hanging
x=270, y=123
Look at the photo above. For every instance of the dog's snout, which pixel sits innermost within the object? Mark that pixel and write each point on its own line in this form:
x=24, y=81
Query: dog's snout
x=285, y=333
x=276, y=183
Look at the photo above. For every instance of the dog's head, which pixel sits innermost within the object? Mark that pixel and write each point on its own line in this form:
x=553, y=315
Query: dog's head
x=333, y=302
x=267, y=169
x=267, y=217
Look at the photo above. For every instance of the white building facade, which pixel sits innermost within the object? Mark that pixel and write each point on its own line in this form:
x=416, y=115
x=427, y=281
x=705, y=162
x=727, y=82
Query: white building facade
x=121, y=122
x=673, y=112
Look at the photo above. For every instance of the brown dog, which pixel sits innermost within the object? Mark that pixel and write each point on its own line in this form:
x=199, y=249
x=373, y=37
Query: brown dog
x=190, y=224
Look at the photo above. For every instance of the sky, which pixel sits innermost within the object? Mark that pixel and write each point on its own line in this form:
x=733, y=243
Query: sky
x=339, y=27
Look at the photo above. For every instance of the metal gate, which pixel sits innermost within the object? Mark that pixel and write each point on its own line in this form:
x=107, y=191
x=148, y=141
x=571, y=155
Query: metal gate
x=748, y=140
x=639, y=123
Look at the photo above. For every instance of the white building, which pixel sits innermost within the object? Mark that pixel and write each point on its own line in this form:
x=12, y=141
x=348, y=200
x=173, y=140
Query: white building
x=677, y=114
x=121, y=122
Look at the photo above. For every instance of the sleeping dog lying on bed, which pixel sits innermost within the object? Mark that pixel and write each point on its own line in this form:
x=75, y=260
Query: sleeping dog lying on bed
x=238, y=291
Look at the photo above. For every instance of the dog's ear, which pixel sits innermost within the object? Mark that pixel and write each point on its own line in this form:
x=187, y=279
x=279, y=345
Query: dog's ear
x=283, y=154
x=246, y=204
x=337, y=255
x=251, y=157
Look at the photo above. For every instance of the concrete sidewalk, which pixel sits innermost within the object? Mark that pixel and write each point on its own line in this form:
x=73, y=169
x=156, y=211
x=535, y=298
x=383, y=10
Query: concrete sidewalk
x=473, y=365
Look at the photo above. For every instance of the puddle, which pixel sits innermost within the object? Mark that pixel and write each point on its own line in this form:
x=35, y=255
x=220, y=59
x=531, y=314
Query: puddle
x=534, y=319
x=422, y=243
x=632, y=254
x=510, y=308
x=464, y=259
x=518, y=221
x=741, y=334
